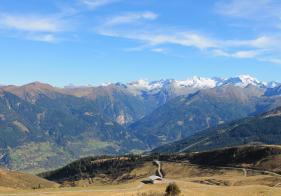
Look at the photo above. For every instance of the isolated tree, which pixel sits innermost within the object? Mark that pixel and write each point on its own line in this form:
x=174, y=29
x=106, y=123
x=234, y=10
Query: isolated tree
x=172, y=190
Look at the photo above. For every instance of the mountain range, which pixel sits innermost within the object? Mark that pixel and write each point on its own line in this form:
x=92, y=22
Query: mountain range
x=44, y=127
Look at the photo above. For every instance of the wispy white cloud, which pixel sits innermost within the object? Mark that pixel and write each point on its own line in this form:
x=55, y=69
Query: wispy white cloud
x=50, y=38
x=44, y=28
x=190, y=39
x=263, y=14
x=259, y=42
x=130, y=18
x=237, y=54
x=249, y=8
x=93, y=4
x=153, y=38
x=48, y=27
x=159, y=50
x=32, y=23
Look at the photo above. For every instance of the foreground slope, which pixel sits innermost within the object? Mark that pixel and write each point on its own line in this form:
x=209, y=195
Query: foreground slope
x=120, y=169
x=265, y=128
x=11, y=179
x=244, y=170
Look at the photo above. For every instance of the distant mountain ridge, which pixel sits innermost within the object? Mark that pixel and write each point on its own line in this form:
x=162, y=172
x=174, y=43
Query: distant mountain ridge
x=141, y=97
x=188, y=114
x=43, y=127
x=200, y=83
x=138, y=86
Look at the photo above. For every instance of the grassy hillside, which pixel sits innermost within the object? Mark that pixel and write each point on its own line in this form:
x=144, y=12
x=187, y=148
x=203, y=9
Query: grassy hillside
x=111, y=168
x=239, y=170
x=11, y=179
x=126, y=168
x=261, y=157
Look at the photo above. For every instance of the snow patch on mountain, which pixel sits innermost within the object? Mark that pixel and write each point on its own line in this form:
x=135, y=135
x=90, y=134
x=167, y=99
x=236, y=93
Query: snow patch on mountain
x=243, y=81
x=197, y=82
x=273, y=84
x=145, y=85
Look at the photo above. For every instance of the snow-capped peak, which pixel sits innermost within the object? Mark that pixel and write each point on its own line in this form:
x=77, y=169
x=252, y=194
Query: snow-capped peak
x=137, y=87
x=197, y=82
x=243, y=81
x=145, y=85
x=194, y=82
x=247, y=79
x=272, y=84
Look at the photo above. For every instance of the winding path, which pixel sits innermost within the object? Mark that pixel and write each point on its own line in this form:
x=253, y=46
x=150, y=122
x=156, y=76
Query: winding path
x=159, y=168
x=277, y=185
x=254, y=170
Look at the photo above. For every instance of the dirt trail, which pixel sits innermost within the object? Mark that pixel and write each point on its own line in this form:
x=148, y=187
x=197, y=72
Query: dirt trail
x=245, y=172
x=158, y=163
x=254, y=170
x=276, y=185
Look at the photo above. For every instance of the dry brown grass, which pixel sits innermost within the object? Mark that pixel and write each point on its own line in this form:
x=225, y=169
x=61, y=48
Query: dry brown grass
x=11, y=179
x=150, y=193
x=270, y=163
x=187, y=188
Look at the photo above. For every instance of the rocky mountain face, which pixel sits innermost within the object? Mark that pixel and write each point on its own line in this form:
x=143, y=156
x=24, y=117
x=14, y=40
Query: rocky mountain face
x=186, y=115
x=275, y=91
x=127, y=103
x=42, y=127
x=54, y=130
x=264, y=128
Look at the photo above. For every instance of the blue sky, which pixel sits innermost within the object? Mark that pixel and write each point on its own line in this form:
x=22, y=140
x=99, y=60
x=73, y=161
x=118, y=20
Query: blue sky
x=96, y=41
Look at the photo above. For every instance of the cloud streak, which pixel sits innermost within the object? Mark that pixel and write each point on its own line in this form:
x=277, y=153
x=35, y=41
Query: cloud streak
x=138, y=26
x=238, y=54
x=153, y=38
x=50, y=38
x=263, y=14
x=93, y=4
x=31, y=23
x=34, y=27
x=130, y=18
x=249, y=8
